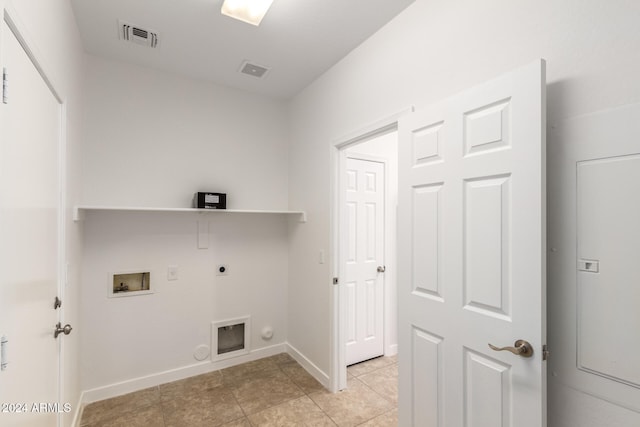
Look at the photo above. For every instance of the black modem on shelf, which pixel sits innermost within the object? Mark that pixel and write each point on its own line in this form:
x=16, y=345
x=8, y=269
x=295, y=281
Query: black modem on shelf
x=210, y=200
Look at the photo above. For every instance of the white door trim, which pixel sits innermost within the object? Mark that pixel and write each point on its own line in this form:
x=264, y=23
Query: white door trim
x=27, y=42
x=20, y=31
x=338, y=370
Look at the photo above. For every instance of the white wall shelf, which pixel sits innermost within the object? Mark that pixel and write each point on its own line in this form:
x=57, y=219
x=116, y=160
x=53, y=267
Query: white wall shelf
x=78, y=211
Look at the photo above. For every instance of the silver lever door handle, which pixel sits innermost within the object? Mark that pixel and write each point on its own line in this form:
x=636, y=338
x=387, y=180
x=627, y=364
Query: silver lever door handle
x=382, y=269
x=520, y=348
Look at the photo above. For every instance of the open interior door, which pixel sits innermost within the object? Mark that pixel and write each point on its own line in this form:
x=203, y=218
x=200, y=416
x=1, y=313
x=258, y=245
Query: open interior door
x=472, y=257
x=30, y=247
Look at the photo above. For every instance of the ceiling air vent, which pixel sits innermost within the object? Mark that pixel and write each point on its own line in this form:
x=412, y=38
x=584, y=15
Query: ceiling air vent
x=133, y=34
x=253, y=70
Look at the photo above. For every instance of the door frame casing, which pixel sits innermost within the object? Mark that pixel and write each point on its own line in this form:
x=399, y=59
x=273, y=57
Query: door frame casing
x=337, y=368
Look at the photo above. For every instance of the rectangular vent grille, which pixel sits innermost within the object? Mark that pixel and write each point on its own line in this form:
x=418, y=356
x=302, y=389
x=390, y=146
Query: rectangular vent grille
x=137, y=35
x=253, y=70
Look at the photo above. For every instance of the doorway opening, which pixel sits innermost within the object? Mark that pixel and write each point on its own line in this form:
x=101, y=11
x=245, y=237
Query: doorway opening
x=365, y=190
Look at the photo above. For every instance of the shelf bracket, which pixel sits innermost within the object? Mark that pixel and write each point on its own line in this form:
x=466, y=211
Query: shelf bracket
x=78, y=215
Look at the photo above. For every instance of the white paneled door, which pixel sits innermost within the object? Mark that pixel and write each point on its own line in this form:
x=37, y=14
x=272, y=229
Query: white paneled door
x=472, y=257
x=29, y=248
x=364, y=251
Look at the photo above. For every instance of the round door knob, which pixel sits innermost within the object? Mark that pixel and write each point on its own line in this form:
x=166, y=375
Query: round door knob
x=62, y=330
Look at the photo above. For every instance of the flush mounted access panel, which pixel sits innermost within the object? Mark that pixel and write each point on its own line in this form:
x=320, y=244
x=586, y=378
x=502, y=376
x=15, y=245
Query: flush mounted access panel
x=608, y=277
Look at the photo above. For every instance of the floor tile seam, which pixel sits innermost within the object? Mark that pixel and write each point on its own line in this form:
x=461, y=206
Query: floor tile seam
x=244, y=417
x=164, y=419
x=291, y=377
x=373, y=417
x=377, y=394
x=272, y=406
x=323, y=411
x=379, y=415
x=282, y=403
x=382, y=396
x=233, y=382
x=374, y=370
x=236, y=387
x=155, y=388
x=332, y=420
x=240, y=406
x=111, y=415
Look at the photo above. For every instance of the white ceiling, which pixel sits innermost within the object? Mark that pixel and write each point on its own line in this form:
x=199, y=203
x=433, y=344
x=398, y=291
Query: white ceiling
x=298, y=39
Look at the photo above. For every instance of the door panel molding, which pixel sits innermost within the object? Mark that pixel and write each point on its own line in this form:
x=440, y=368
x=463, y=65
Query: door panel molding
x=490, y=237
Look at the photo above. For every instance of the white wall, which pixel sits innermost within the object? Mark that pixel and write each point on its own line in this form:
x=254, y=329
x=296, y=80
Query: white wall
x=51, y=28
x=127, y=338
x=432, y=50
x=153, y=139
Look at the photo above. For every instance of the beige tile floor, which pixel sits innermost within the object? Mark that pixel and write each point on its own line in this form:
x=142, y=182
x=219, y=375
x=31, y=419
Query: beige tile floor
x=275, y=391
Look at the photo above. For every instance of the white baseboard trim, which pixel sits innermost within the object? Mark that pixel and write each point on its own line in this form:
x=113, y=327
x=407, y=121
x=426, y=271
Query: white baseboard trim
x=77, y=416
x=140, y=383
x=392, y=350
x=309, y=366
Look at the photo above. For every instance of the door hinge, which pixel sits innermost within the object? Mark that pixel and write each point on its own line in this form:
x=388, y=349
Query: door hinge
x=3, y=353
x=545, y=352
x=335, y=281
x=5, y=86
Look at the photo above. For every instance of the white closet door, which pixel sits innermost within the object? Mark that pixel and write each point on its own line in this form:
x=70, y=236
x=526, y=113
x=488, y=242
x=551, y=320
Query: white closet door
x=363, y=284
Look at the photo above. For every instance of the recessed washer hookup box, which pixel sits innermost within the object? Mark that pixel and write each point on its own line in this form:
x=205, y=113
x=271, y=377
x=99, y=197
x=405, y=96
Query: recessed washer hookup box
x=210, y=200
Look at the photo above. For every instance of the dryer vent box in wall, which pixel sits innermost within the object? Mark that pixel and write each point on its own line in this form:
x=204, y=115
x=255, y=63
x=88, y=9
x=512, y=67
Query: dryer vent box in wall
x=230, y=338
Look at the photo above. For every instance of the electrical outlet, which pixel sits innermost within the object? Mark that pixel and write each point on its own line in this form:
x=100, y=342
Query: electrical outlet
x=172, y=272
x=222, y=270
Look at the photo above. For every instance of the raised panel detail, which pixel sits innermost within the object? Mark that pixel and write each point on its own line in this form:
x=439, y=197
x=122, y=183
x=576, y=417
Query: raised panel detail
x=487, y=128
x=607, y=301
x=370, y=182
x=370, y=215
x=352, y=224
x=352, y=311
x=427, y=235
x=370, y=310
x=487, y=235
x=427, y=144
x=426, y=359
x=352, y=180
x=487, y=391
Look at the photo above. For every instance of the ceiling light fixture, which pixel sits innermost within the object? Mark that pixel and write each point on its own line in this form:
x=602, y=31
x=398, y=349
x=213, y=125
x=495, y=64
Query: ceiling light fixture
x=249, y=11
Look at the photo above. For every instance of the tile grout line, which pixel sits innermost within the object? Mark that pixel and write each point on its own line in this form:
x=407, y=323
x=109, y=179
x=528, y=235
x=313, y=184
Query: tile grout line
x=302, y=386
